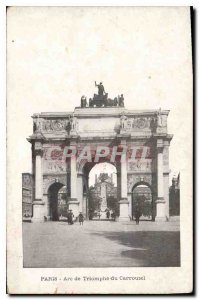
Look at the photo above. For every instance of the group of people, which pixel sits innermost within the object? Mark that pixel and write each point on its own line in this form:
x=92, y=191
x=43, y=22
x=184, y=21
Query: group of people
x=109, y=214
x=70, y=217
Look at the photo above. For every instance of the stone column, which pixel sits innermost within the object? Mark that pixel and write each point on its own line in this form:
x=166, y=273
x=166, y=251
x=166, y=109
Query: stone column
x=130, y=205
x=84, y=205
x=73, y=203
x=166, y=195
x=80, y=190
x=118, y=185
x=38, y=209
x=124, y=209
x=166, y=172
x=73, y=180
x=160, y=202
x=46, y=210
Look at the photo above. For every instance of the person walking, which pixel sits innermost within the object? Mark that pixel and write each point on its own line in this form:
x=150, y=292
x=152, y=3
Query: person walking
x=70, y=217
x=137, y=215
x=113, y=216
x=108, y=214
x=81, y=219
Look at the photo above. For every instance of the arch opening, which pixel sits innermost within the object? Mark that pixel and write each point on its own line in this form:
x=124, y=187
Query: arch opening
x=102, y=201
x=142, y=201
x=58, y=201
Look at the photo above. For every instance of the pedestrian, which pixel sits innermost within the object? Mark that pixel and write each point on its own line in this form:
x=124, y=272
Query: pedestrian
x=108, y=214
x=70, y=217
x=137, y=215
x=81, y=219
x=113, y=216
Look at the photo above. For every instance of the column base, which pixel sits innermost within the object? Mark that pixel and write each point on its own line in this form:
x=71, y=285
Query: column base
x=124, y=210
x=38, y=214
x=123, y=219
x=161, y=219
x=73, y=205
x=160, y=210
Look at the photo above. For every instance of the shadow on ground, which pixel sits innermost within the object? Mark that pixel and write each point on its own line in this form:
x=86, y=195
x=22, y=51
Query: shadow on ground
x=151, y=248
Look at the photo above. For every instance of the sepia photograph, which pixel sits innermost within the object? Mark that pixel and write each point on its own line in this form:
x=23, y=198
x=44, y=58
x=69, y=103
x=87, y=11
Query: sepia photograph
x=99, y=147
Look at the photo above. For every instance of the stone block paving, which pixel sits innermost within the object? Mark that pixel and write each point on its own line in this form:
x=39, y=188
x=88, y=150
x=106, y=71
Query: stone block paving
x=101, y=244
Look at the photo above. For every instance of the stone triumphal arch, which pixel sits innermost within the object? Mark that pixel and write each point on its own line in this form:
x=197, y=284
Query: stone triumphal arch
x=91, y=130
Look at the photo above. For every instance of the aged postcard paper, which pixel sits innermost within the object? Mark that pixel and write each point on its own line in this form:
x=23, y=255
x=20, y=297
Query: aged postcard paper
x=99, y=150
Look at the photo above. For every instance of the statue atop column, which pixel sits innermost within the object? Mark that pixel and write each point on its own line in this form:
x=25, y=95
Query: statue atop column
x=121, y=100
x=101, y=90
x=161, y=122
x=73, y=124
x=159, y=118
x=123, y=122
x=101, y=99
x=84, y=101
x=37, y=124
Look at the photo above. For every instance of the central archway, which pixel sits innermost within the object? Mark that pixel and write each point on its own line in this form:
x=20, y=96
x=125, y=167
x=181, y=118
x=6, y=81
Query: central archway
x=102, y=197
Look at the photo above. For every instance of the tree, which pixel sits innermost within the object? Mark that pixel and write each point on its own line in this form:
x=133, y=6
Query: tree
x=145, y=208
x=63, y=205
x=94, y=201
x=113, y=204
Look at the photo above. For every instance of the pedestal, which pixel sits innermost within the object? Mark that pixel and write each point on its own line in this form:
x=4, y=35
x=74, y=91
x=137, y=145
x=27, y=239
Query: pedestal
x=160, y=210
x=103, y=212
x=160, y=202
x=80, y=191
x=124, y=204
x=38, y=212
x=124, y=210
x=73, y=205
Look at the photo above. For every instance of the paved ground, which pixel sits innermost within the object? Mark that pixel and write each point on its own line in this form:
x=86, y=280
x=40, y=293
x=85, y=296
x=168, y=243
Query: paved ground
x=101, y=244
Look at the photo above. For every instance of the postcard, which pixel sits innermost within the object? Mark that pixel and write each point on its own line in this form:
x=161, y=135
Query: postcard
x=99, y=150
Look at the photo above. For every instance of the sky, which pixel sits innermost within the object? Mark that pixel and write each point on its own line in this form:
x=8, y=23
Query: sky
x=54, y=55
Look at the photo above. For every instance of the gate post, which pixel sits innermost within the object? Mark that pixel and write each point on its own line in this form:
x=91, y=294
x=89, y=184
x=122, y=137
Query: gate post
x=73, y=203
x=38, y=213
x=124, y=203
x=160, y=202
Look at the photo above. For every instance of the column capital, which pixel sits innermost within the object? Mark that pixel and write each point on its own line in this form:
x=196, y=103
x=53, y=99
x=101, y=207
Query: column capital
x=160, y=200
x=160, y=149
x=166, y=143
x=124, y=200
x=38, y=148
x=73, y=200
x=123, y=141
x=38, y=152
x=80, y=174
x=38, y=202
x=73, y=140
x=160, y=143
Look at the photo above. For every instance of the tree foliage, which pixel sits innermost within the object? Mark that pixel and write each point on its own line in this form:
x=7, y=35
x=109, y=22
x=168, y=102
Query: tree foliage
x=143, y=205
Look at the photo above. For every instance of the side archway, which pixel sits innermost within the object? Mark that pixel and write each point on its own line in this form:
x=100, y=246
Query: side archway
x=142, y=198
x=53, y=200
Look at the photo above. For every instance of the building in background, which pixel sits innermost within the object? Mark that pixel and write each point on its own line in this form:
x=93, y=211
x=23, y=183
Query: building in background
x=104, y=178
x=103, y=195
x=27, y=194
x=174, y=196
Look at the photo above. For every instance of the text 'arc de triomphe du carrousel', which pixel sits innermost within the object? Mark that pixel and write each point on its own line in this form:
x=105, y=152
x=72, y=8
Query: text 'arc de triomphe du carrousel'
x=66, y=146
